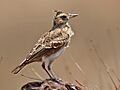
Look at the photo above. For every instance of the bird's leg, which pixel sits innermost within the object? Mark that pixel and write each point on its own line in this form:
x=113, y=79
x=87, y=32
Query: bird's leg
x=52, y=73
x=43, y=66
x=50, y=70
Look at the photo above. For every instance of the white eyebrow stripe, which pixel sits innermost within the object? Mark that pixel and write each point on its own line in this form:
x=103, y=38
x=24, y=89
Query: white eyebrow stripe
x=62, y=14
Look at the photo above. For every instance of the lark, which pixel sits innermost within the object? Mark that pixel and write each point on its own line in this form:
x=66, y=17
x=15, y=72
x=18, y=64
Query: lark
x=51, y=44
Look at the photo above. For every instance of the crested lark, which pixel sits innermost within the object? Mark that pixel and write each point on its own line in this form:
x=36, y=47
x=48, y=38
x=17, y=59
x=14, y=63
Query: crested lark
x=51, y=44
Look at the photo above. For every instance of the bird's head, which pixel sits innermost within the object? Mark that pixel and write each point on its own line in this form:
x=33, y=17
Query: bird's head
x=62, y=18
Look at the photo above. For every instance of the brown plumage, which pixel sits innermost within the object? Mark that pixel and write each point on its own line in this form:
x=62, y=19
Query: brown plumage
x=51, y=44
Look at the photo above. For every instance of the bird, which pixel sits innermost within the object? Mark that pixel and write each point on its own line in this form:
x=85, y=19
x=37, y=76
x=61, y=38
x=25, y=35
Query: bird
x=51, y=44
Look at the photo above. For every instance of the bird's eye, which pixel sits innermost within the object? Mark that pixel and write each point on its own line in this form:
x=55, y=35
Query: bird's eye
x=63, y=17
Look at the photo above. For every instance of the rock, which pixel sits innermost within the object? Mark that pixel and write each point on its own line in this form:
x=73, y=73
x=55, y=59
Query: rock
x=49, y=84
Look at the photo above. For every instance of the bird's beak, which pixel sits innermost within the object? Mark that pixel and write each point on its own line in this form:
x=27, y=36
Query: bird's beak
x=73, y=15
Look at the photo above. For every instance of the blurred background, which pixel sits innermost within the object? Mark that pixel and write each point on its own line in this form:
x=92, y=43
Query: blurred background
x=97, y=37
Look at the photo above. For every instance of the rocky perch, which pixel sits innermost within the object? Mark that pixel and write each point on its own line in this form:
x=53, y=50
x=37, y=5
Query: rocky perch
x=49, y=84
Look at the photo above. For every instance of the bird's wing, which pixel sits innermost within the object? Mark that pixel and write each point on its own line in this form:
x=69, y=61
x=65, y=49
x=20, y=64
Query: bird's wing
x=53, y=39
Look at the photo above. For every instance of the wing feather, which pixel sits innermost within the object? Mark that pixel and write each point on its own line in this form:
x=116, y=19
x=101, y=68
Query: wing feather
x=53, y=39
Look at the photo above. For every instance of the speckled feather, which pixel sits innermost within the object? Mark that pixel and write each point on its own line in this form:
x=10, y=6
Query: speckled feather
x=51, y=40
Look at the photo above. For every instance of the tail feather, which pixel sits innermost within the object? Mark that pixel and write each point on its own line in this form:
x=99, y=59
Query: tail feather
x=17, y=69
x=21, y=66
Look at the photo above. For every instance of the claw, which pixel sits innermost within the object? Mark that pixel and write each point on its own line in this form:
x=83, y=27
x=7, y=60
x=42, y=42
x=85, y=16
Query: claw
x=57, y=80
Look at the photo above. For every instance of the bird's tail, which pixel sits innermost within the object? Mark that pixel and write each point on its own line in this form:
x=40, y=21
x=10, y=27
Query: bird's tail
x=18, y=68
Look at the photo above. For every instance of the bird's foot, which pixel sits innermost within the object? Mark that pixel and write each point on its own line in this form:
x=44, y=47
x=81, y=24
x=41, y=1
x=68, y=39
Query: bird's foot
x=59, y=81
